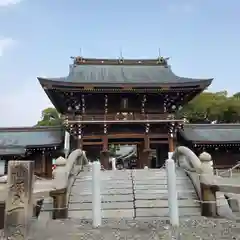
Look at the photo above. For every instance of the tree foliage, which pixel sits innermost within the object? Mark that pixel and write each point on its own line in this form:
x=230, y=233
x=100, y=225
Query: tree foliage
x=212, y=107
x=50, y=117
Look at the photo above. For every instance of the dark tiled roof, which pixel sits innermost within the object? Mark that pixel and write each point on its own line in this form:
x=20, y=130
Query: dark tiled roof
x=123, y=73
x=15, y=140
x=211, y=133
x=12, y=150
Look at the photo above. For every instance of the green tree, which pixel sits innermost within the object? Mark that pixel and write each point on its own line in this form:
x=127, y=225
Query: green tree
x=50, y=117
x=230, y=111
x=208, y=107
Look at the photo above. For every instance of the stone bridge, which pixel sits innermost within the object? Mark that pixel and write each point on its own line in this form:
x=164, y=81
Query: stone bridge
x=132, y=194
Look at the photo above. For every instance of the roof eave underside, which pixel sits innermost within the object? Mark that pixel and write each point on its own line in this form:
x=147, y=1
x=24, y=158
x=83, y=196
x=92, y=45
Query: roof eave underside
x=61, y=83
x=215, y=142
x=31, y=129
x=53, y=144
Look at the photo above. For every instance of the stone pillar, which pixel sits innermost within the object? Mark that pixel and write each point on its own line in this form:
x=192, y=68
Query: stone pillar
x=207, y=163
x=19, y=203
x=209, y=204
x=208, y=192
x=66, y=143
x=60, y=210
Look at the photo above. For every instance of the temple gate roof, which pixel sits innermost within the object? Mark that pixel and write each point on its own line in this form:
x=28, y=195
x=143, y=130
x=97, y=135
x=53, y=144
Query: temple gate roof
x=129, y=71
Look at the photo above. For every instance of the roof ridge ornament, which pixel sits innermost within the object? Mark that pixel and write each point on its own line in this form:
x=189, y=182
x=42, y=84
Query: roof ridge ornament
x=121, y=59
x=78, y=59
x=162, y=60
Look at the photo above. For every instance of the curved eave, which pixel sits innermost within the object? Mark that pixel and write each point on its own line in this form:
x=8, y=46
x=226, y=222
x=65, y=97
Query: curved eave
x=232, y=143
x=49, y=83
x=52, y=145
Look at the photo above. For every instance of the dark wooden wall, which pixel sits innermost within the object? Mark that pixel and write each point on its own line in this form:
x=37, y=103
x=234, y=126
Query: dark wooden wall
x=224, y=159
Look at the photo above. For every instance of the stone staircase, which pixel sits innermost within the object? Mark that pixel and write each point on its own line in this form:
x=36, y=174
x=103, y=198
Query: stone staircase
x=132, y=194
x=151, y=196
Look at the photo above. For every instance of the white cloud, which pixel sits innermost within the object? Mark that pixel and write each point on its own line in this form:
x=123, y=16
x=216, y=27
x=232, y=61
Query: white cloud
x=5, y=3
x=5, y=44
x=23, y=107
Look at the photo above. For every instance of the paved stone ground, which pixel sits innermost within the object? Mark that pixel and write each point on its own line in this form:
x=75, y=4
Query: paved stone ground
x=145, y=229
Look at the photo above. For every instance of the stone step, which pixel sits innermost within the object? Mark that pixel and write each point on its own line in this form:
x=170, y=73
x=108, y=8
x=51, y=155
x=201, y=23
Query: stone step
x=164, y=212
x=117, y=181
x=164, y=196
x=89, y=179
x=103, y=186
x=109, y=214
x=104, y=191
x=164, y=203
x=155, y=178
x=158, y=181
x=105, y=198
x=105, y=205
x=160, y=191
x=163, y=186
x=160, y=187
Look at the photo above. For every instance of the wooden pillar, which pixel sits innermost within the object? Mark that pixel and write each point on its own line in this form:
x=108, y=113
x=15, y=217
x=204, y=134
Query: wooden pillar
x=170, y=142
x=44, y=170
x=104, y=157
x=140, y=154
x=79, y=142
x=143, y=155
x=147, y=152
x=146, y=143
x=2, y=213
x=48, y=165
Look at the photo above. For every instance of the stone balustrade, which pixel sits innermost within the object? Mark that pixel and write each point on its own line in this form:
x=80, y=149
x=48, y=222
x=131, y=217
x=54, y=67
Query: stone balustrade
x=63, y=178
x=201, y=173
x=58, y=188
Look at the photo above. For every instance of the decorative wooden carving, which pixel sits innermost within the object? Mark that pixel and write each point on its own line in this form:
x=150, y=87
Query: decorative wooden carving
x=83, y=103
x=106, y=104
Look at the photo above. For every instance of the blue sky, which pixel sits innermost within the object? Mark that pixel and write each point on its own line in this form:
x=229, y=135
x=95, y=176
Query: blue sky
x=37, y=37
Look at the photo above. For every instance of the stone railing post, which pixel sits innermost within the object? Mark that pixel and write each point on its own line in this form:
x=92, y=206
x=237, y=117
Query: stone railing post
x=172, y=192
x=59, y=196
x=208, y=193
